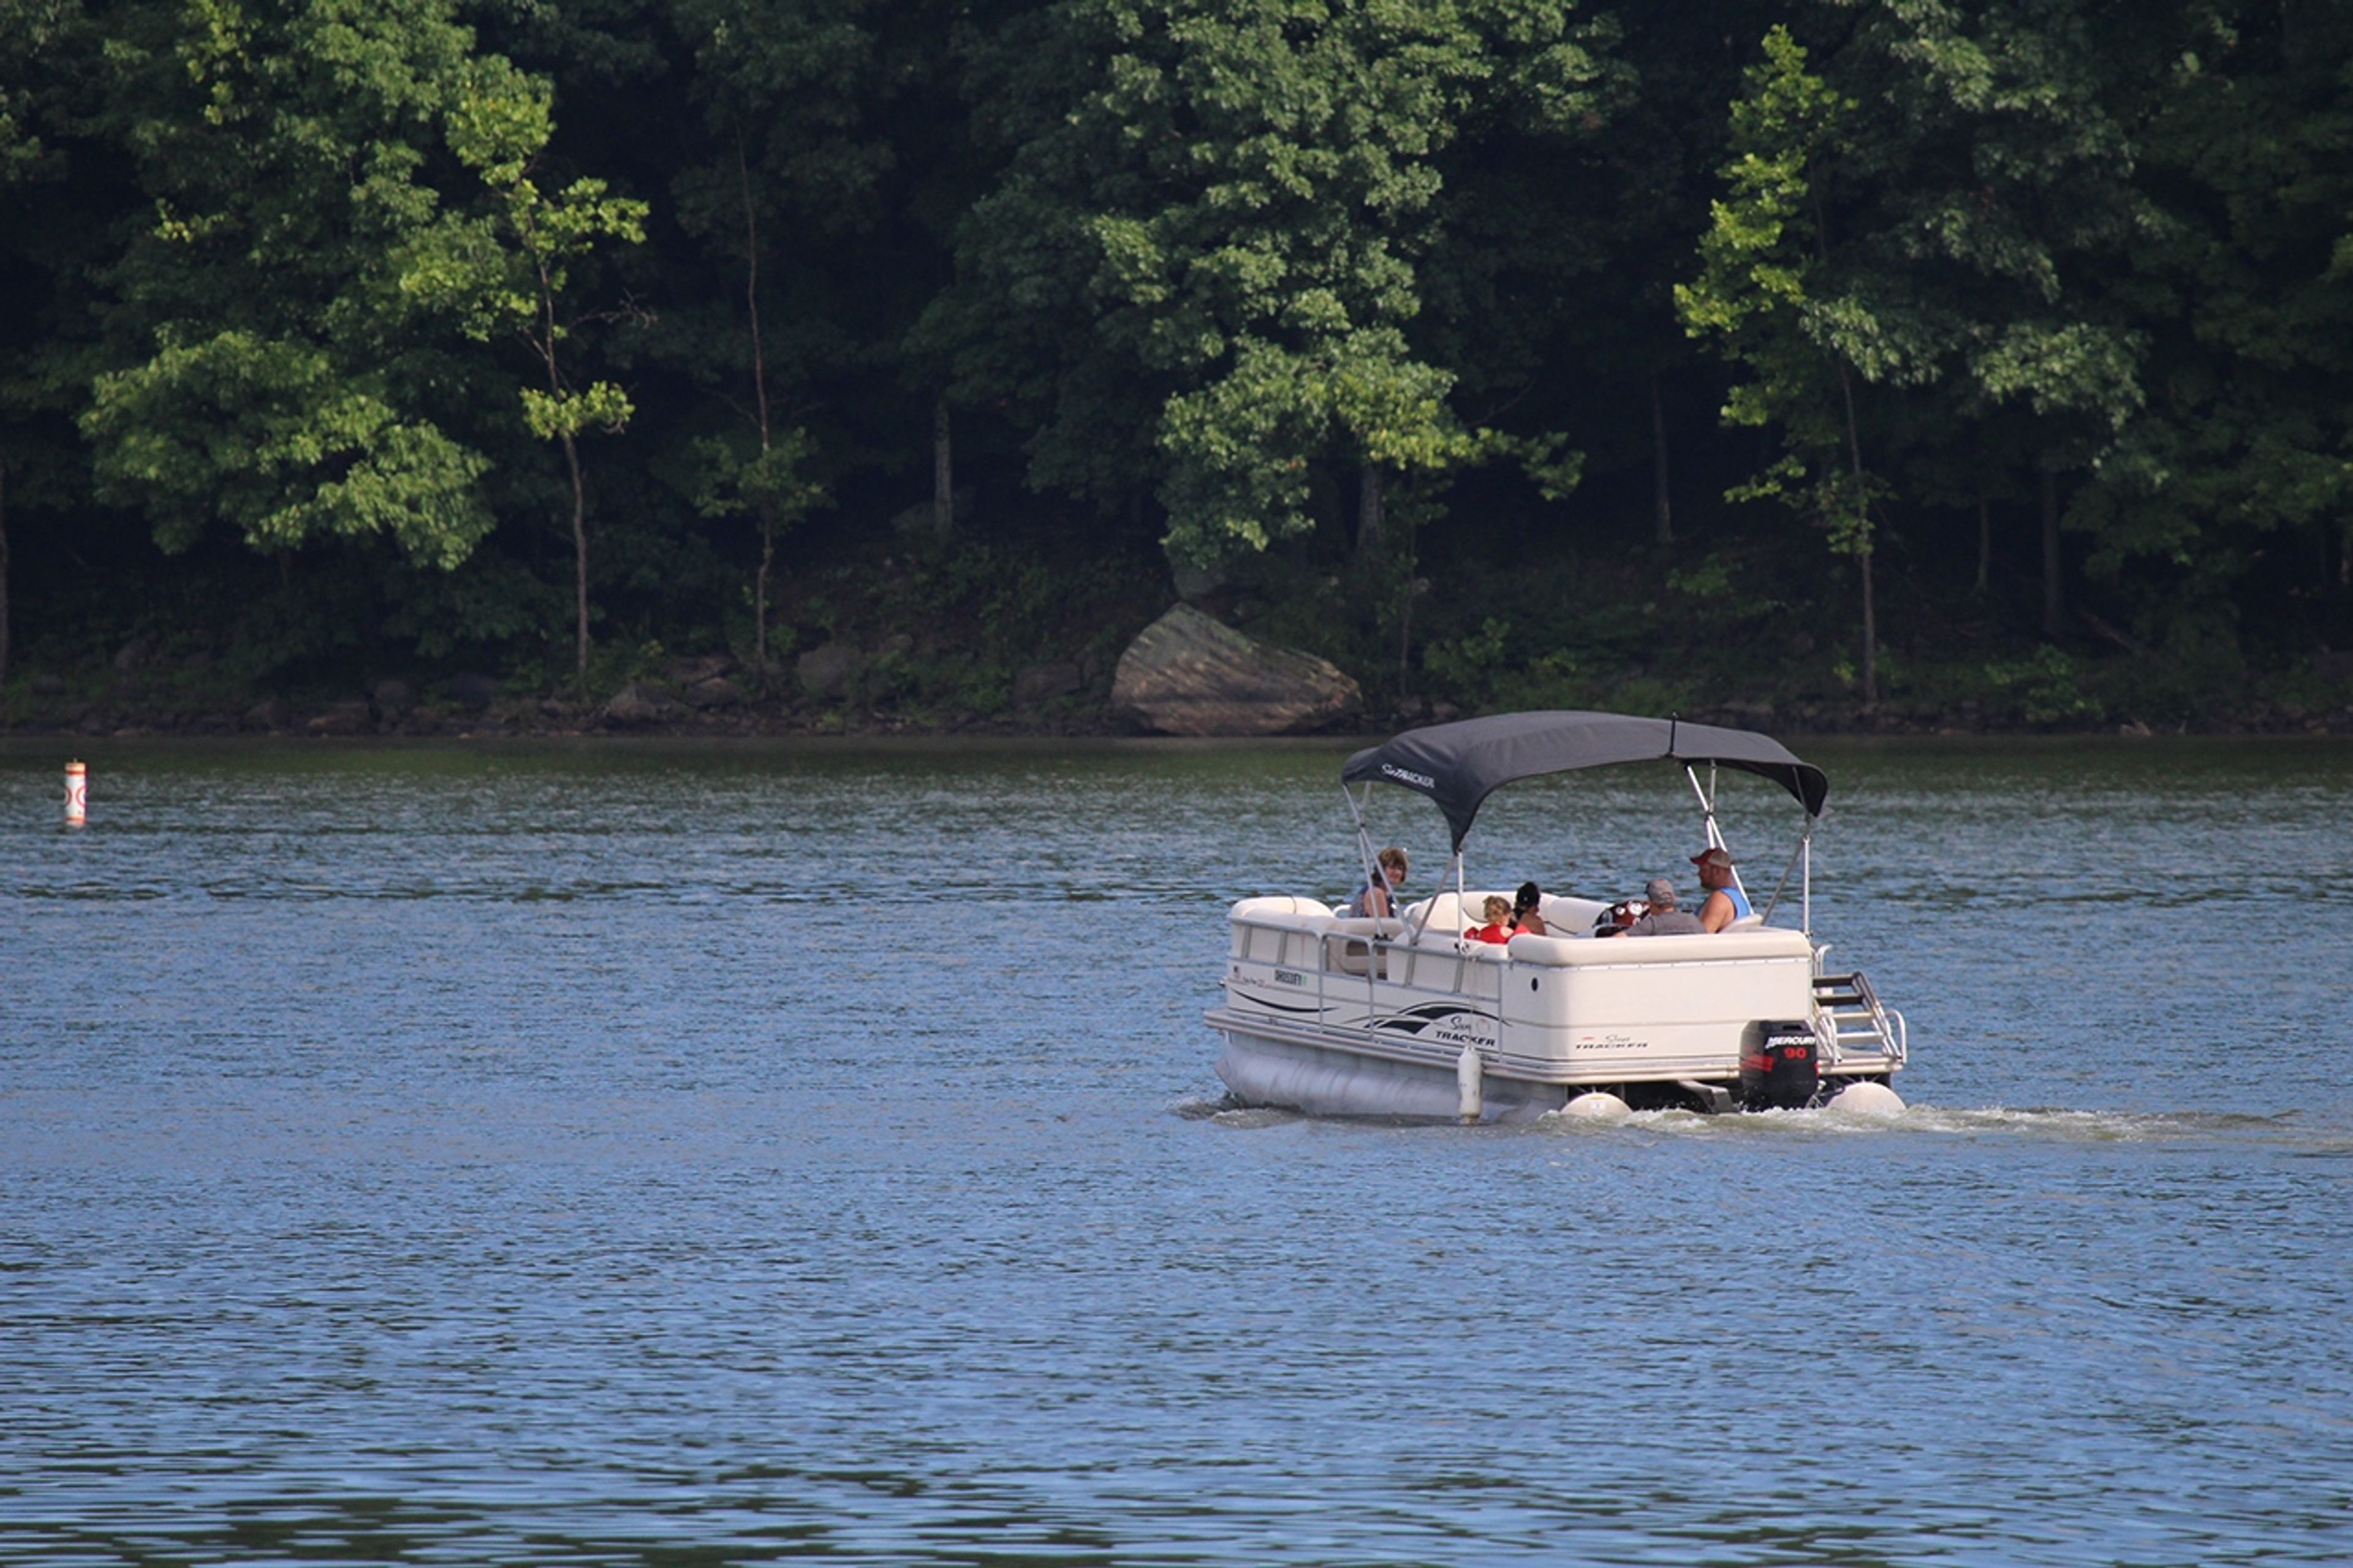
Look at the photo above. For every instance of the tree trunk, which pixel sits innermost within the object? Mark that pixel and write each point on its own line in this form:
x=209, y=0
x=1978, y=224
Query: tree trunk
x=1405, y=629
x=1869, y=632
x=1985, y=541
x=580, y=565
x=1665, y=513
x=3, y=571
x=760, y=402
x=760, y=590
x=2055, y=603
x=1370, y=522
x=1862, y=558
x=943, y=472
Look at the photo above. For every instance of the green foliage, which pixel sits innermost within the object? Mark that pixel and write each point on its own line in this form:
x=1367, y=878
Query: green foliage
x=509, y=268
x=1710, y=579
x=2245, y=300
x=264, y=374
x=1465, y=667
x=1768, y=289
x=1225, y=206
x=268, y=435
x=2046, y=687
x=318, y=295
x=1760, y=246
x=487, y=602
x=733, y=477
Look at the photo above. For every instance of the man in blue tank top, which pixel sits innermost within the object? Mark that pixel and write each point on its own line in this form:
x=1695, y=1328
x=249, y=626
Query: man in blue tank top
x=1724, y=902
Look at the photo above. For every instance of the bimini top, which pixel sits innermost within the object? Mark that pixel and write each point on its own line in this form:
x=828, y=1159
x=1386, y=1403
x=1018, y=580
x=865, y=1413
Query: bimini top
x=1459, y=765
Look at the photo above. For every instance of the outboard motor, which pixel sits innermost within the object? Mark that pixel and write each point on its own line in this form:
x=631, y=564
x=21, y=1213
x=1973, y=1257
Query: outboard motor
x=1779, y=1068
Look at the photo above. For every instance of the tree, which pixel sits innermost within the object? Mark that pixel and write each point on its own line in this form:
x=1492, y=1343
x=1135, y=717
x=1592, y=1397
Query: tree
x=1931, y=213
x=2238, y=474
x=511, y=269
x=1199, y=266
x=1765, y=287
x=23, y=160
x=782, y=85
x=266, y=371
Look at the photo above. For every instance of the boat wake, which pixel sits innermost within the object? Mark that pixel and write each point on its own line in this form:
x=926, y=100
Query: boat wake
x=2038, y=1123
x=2051, y=1124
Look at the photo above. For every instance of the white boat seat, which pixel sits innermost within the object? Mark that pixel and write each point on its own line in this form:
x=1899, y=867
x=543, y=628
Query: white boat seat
x=1565, y=915
x=1283, y=909
x=1763, y=941
x=1446, y=918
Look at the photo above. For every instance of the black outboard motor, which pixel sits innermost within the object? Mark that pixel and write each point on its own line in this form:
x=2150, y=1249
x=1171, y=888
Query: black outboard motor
x=1779, y=1068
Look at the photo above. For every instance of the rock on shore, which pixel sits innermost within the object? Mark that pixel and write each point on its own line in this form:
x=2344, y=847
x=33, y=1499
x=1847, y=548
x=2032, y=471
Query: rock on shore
x=1187, y=674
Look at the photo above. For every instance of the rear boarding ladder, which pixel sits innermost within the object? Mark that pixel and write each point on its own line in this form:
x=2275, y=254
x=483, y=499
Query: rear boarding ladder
x=1858, y=1021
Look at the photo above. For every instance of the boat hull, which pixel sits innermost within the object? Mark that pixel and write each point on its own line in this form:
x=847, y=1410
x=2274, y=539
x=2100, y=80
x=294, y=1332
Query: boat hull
x=1319, y=1079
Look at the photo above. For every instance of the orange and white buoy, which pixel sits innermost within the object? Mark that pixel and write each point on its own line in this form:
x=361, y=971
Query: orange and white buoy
x=76, y=794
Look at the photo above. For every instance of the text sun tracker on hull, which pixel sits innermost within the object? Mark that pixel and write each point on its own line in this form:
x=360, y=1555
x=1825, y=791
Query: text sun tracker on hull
x=1403, y=1016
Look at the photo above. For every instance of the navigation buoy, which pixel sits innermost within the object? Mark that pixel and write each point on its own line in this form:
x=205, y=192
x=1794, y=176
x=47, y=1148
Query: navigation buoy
x=76, y=794
x=1597, y=1105
x=1864, y=1098
x=1466, y=1080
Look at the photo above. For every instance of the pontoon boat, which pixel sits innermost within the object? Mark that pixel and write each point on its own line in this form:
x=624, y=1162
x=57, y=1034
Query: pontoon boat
x=1404, y=1016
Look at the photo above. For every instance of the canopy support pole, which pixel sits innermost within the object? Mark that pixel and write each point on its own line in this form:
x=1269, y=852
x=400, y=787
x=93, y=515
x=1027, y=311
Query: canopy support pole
x=1775, y=901
x=1806, y=908
x=1364, y=837
x=1715, y=833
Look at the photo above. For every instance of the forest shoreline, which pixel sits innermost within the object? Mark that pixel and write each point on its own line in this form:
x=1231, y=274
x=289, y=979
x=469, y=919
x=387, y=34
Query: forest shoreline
x=554, y=717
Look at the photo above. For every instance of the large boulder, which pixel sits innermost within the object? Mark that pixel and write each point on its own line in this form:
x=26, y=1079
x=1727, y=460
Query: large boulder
x=1187, y=674
x=640, y=702
x=688, y=672
x=715, y=691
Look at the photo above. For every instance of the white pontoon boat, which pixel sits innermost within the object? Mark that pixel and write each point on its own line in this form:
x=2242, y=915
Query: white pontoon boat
x=1405, y=1016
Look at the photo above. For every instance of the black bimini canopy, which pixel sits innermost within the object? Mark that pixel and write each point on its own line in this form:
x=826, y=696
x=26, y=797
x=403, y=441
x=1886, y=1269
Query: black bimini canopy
x=1460, y=765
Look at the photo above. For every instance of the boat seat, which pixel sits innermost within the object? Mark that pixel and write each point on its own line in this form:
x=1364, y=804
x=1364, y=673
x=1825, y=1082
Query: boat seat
x=1282, y=908
x=1347, y=945
x=1446, y=919
x=1566, y=915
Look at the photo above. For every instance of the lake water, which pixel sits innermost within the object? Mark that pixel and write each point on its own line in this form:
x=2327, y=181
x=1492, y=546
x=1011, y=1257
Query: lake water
x=682, y=1155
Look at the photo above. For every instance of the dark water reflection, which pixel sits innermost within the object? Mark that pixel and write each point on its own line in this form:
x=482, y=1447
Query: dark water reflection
x=663, y=1155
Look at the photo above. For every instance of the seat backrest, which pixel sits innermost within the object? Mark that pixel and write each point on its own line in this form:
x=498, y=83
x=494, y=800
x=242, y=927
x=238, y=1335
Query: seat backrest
x=1280, y=907
x=1447, y=913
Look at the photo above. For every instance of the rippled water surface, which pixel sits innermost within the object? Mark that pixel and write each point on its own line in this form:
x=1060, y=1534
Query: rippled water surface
x=649, y=1154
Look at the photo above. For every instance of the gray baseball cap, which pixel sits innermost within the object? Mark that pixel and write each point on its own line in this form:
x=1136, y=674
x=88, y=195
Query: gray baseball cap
x=1662, y=892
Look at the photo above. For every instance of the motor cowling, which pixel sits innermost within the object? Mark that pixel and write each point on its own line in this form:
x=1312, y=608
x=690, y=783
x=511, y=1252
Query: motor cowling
x=1781, y=1066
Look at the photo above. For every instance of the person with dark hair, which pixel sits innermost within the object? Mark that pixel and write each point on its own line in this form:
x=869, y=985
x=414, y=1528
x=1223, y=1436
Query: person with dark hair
x=1527, y=910
x=1377, y=898
x=1725, y=903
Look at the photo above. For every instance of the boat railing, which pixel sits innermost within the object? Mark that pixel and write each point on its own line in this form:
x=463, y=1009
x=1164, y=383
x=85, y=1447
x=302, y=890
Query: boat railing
x=1319, y=953
x=1328, y=957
